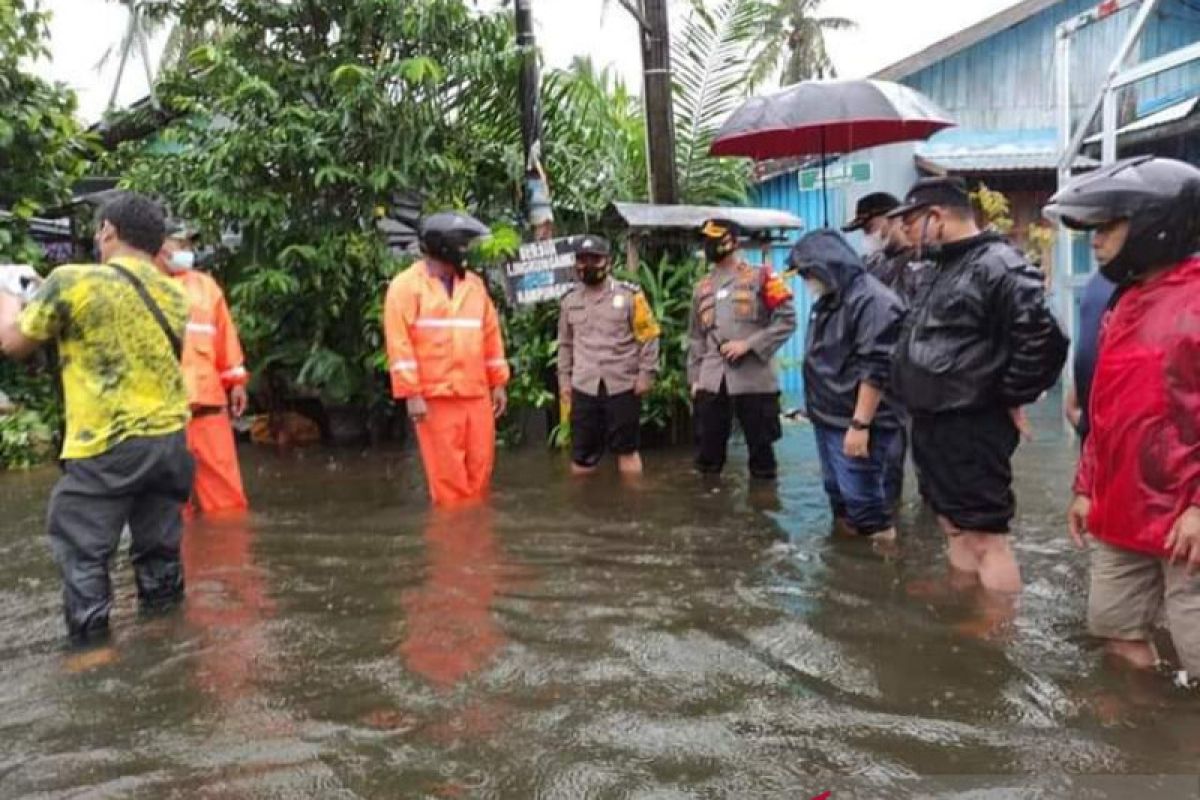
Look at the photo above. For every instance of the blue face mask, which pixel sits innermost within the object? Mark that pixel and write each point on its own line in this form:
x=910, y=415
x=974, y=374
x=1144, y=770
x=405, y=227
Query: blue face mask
x=182, y=261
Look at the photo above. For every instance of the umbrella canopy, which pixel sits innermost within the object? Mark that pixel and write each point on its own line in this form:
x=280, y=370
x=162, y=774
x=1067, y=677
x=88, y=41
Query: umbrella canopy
x=828, y=117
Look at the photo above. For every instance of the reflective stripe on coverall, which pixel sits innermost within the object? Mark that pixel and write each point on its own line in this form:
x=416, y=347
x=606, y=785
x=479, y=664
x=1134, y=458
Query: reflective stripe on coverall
x=213, y=364
x=449, y=351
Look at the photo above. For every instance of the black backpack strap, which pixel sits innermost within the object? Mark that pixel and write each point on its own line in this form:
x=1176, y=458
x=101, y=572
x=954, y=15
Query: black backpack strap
x=152, y=307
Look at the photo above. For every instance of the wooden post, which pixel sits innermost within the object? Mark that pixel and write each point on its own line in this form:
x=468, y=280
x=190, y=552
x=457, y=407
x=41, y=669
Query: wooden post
x=632, y=256
x=660, y=123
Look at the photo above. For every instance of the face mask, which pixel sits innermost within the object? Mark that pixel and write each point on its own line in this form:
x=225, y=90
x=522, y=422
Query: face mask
x=593, y=276
x=873, y=243
x=716, y=251
x=927, y=245
x=182, y=261
x=815, y=287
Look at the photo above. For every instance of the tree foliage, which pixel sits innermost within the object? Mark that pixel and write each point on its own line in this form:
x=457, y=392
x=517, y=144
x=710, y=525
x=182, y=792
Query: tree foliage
x=303, y=123
x=793, y=43
x=42, y=148
x=595, y=141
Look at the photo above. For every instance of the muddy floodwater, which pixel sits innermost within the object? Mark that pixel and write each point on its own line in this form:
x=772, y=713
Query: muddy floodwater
x=675, y=638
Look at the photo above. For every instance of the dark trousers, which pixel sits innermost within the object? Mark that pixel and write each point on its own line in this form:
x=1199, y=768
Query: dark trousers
x=964, y=459
x=859, y=489
x=894, y=477
x=141, y=482
x=758, y=416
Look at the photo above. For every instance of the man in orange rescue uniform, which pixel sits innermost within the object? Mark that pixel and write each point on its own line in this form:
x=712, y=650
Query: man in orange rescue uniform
x=447, y=359
x=215, y=375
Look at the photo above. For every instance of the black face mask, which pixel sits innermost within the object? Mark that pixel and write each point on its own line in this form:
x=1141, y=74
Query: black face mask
x=593, y=276
x=717, y=251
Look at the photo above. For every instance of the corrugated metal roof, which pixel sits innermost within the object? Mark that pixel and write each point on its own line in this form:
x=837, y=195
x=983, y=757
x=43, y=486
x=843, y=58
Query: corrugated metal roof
x=644, y=216
x=1004, y=162
x=967, y=150
x=1166, y=116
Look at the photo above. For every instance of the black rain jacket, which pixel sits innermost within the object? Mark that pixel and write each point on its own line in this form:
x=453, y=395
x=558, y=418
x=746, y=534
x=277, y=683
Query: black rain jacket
x=980, y=334
x=852, y=332
x=892, y=267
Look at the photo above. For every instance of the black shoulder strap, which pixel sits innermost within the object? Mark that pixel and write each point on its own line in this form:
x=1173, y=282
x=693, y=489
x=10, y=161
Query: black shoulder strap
x=152, y=307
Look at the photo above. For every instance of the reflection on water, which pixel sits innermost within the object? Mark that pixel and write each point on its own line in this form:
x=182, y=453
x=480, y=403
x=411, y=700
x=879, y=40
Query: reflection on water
x=227, y=605
x=673, y=637
x=449, y=629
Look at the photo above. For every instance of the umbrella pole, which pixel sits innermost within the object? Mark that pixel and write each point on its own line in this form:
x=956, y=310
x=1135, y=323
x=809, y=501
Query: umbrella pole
x=824, y=183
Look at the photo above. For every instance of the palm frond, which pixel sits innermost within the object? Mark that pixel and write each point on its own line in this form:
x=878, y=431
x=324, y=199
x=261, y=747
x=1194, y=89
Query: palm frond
x=713, y=62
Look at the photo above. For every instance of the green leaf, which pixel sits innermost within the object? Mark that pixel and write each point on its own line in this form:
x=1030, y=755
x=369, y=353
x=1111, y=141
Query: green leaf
x=348, y=77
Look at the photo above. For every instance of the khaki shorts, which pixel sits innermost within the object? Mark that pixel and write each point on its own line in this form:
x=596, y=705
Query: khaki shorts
x=1130, y=593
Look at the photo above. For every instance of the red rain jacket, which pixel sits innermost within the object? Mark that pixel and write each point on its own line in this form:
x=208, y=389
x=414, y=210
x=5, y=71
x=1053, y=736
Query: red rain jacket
x=1141, y=462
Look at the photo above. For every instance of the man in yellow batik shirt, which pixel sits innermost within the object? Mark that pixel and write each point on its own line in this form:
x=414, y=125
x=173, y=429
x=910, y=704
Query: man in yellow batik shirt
x=118, y=327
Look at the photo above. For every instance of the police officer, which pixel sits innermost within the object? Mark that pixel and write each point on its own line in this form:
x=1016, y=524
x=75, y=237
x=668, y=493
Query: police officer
x=741, y=315
x=607, y=360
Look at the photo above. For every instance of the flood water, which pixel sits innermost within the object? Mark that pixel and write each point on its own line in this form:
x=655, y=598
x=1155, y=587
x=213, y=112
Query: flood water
x=676, y=638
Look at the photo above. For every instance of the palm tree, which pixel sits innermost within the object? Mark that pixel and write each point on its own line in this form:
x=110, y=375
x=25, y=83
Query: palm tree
x=148, y=19
x=138, y=32
x=794, y=40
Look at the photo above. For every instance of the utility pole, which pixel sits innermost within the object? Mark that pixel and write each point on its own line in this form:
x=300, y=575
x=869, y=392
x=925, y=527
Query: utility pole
x=537, y=190
x=660, y=123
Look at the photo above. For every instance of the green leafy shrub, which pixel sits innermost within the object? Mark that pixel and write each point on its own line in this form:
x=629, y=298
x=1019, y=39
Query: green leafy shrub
x=29, y=435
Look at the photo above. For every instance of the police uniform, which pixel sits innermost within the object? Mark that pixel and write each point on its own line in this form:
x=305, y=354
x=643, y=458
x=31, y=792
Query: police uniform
x=607, y=339
x=747, y=303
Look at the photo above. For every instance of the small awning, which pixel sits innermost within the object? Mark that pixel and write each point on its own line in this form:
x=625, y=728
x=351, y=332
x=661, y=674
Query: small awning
x=964, y=150
x=646, y=218
x=1165, y=116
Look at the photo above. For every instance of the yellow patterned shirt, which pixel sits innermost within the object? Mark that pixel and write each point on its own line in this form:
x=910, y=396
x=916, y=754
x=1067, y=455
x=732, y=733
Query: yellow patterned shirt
x=120, y=376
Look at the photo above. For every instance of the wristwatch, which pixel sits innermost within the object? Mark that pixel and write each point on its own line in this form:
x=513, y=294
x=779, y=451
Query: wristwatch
x=860, y=426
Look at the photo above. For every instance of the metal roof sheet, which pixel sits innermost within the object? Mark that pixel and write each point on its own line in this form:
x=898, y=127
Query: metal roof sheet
x=645, y=216
x=969, y=150
x=1165, y=116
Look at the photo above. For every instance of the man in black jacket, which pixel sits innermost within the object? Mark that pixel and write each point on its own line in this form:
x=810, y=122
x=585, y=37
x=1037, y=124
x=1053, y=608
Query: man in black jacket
x=889, y=254
x=890, y=257
x=979, y=343
x=852, y=331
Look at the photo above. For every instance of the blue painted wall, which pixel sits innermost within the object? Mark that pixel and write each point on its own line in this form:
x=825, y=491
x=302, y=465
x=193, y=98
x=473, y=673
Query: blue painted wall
x=1007, y=81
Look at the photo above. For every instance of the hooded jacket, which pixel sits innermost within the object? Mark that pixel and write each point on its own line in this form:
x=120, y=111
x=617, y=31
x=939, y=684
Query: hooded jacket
x=980, y=334
x=852, y=331
x=1141, y=461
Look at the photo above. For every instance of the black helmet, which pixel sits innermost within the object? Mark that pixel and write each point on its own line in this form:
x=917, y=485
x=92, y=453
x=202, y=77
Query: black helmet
x=448, y=235
x=1159, y=196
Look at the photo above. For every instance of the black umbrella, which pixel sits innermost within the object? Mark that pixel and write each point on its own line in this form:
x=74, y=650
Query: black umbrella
x=822, y=118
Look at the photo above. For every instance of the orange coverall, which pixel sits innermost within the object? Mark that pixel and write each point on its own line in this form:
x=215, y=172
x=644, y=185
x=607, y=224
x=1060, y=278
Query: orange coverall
x=448, y=350
x=212, y=365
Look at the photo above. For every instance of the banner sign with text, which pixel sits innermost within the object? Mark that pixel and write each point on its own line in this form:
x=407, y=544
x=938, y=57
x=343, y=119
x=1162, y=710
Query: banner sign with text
x=542, y=272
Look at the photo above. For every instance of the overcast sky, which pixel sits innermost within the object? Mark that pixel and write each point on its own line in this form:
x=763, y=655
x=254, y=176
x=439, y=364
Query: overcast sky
x=888, y=30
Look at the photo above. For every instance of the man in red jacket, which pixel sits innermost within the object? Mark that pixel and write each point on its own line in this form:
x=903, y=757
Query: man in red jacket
x=1137, y=491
